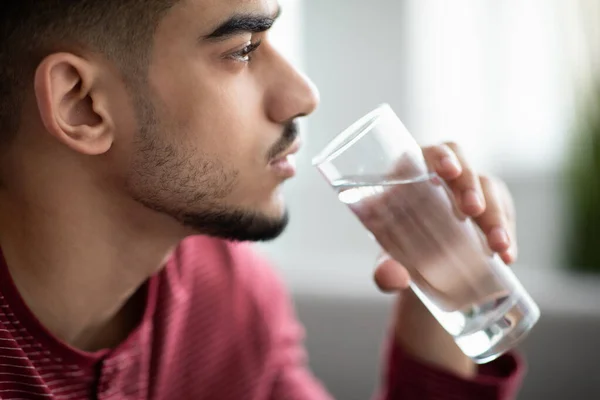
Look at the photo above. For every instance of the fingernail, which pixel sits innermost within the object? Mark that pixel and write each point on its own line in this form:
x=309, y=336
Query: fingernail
x=472, y=199
x=448, y=163
x=499, y=235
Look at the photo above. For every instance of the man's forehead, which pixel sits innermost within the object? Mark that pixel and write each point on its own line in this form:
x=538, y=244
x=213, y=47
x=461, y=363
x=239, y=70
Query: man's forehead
x=203, y=17
x=215, y=11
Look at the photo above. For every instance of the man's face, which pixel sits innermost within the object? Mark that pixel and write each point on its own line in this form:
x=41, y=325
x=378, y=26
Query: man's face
x=216, y=120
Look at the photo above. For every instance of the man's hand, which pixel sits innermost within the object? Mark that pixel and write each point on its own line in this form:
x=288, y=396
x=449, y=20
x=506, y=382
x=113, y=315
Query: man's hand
x=490, y=204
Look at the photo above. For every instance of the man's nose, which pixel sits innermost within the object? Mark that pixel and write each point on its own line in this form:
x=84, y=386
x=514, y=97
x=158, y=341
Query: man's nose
x=291, y=93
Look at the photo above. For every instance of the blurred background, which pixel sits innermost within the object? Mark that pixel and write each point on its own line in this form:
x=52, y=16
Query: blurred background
x=517, y=84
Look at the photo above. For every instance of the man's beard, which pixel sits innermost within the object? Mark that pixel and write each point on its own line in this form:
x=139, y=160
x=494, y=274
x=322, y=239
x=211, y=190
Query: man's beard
x=237, y=225
x=172, y=183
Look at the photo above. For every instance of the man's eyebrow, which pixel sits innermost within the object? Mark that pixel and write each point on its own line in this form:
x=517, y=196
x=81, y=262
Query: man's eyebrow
x=243, y=23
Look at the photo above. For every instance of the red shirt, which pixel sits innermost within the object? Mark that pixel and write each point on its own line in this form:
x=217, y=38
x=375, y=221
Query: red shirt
x=218, y=325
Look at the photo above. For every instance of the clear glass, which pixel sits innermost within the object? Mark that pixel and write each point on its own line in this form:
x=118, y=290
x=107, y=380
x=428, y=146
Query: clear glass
x=379, y=171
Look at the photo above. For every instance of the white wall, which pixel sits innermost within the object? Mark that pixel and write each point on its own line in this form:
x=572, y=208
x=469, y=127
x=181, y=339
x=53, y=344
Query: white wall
x=492, y=75
x=287, y=33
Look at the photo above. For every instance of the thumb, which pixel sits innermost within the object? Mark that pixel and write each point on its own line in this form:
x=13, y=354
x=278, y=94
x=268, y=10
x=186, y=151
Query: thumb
x=391, y=276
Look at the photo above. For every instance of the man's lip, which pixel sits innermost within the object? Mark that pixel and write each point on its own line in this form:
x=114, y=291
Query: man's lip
x=293, y=149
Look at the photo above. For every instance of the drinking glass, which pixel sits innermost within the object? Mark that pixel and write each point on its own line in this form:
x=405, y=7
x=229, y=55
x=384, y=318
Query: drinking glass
x=378, y=170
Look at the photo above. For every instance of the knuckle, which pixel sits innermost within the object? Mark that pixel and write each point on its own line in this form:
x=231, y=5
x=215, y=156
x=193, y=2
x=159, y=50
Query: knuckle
x=491, y=219
x=486, y=181
x=452, y=145
x=471, y=175
x=446, y=150
x=429, y=151
x=495, y=209
x=496, y=186
x=437, y=151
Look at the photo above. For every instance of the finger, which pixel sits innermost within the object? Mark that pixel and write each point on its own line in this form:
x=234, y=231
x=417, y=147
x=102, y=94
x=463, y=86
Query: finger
x=508, y=205
x=407, y=166
x=509, y=256
x=377, y=218
x=494, y=220
x=443, y=161
x=390, y=276
x=466, y=187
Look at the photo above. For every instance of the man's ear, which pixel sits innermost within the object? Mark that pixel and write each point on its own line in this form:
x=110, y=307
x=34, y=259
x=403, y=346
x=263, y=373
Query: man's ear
x=73, y=104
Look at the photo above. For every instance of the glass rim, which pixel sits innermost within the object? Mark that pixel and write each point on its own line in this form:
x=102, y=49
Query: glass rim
x=350, y=135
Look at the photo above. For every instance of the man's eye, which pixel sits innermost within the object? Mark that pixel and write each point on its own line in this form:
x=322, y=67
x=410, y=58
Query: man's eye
x=245, y=54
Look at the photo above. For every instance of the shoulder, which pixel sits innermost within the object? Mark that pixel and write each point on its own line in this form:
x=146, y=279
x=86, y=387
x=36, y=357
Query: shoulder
x=221, y=306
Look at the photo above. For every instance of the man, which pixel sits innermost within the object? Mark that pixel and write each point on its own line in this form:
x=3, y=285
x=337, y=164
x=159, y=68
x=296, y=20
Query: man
x=143, y=141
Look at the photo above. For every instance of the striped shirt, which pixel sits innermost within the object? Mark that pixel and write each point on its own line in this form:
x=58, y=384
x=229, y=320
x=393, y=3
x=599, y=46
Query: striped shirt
x=218, y=325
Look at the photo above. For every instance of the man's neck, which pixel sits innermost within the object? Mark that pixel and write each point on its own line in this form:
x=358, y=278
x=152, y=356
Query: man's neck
x=78, y=268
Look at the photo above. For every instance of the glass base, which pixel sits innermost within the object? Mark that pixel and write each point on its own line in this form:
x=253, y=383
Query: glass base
x=501, y=334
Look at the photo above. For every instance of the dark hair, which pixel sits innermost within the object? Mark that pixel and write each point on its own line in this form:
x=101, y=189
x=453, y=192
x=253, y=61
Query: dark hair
x=30, y=30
